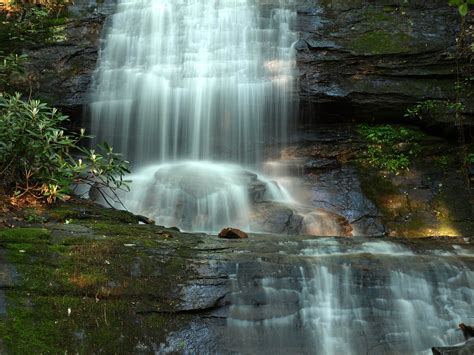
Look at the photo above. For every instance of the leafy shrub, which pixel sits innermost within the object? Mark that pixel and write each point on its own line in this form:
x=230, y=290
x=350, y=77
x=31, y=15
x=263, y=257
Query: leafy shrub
x=38, y=159
x=11, y=68
x=470, y=158
x=33, y=23
x=390, y=147
x=463, y=5
x=433, y=108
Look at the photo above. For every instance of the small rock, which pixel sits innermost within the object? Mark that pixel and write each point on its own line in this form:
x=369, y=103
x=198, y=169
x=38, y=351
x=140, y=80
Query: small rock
x=232, y=233
x=467, y=331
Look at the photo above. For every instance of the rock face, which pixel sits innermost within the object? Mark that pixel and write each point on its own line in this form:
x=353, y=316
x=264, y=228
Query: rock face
x=373, y=59
x=62, y=72
x=349, y=197
x=103, y=283
x=357, y=59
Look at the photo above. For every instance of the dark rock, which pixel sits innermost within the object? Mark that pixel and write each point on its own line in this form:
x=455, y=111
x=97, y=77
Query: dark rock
x=61, y=73
x=232, y=233
x=467, y=331
x=274, y=217
x=372, y=60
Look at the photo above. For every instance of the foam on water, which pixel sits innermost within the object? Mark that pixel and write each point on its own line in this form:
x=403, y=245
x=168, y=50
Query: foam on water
x=195, y=196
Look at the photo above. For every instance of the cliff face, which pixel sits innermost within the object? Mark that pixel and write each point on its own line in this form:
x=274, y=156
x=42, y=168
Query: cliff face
x=61, y=73
x=371, y=60
x=358, y=59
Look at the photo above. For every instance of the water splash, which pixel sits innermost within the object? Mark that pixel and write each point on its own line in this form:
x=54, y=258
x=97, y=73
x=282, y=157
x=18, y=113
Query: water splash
x=198, y=196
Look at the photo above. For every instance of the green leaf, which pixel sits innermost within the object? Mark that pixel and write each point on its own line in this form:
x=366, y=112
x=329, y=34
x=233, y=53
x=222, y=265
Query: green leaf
x=463, y=9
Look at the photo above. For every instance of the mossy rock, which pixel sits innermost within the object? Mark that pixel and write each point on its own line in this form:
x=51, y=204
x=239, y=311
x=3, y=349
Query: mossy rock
x=110, y=288
x=381, y=42
x=24, y=235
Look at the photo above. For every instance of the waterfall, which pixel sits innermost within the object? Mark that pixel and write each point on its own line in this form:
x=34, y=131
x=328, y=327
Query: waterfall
x=358, y=297
x=194, y=80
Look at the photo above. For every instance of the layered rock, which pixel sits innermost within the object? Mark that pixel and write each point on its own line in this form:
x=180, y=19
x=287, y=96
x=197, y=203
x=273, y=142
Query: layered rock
x=372, y=60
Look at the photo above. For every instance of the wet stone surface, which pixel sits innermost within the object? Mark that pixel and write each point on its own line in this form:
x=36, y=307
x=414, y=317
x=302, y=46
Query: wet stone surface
x=92, y=281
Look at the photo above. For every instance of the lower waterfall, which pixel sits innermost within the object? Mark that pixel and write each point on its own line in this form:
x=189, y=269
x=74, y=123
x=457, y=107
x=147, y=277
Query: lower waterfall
x=333, y=296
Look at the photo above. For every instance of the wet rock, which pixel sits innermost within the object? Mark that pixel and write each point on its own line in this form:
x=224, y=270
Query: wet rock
x=372, y=60
x=467, y=331
x=464, y=349
x=61, y=72
x=324, y=223
x=232, y=233
x=273, y=217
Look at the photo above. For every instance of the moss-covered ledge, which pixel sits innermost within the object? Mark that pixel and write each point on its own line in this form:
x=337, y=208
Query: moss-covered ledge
x=81, y=278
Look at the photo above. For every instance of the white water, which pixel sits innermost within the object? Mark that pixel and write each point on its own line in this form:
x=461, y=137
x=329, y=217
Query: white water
x=196, y=196
x=194, y=80
x=373, y=297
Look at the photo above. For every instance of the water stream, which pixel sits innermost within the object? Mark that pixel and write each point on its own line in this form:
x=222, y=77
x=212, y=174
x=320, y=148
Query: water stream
x=326, y=296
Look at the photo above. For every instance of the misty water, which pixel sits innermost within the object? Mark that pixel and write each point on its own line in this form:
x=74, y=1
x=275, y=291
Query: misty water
x=195, y=81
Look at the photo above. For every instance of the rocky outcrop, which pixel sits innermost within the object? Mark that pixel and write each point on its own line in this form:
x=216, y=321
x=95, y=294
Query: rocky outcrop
x=89, y=279
x=61, y=73
x=466, y=348
x=373, y=59
x=430, y=199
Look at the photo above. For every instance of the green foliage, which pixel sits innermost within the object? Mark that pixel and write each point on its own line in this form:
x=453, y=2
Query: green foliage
x=427, y=108
x=11, y=68
x=390, y=147
x=35, y=23
x=463, y=5
x=470, y=158
x=37, y=157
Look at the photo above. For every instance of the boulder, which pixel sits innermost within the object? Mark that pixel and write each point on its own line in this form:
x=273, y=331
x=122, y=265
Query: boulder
x=467, y=331
x=232, y=233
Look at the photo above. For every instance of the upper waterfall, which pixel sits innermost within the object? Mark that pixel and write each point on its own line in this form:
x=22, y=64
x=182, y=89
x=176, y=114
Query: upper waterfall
x=194, y=79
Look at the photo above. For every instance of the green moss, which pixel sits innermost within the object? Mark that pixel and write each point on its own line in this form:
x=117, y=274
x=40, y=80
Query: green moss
x=91, y=294
x=84, y=212
x=55, y=325
x=23, y=235
x=378, y=188
x=381, y=42
x=375, y=15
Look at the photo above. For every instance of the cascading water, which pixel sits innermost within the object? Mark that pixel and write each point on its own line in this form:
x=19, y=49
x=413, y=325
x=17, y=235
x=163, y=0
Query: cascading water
x=194, y=80
x=325, y=296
